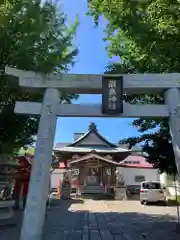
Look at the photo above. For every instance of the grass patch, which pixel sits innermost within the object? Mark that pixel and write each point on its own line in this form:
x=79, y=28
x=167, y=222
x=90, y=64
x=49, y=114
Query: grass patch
x=178, y=199
x=173, y=202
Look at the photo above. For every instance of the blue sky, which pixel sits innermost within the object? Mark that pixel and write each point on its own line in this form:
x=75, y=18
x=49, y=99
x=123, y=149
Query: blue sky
x=92, y=58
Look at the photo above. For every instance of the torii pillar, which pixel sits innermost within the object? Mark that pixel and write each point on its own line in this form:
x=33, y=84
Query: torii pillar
x=172, y=99
x=39, y=183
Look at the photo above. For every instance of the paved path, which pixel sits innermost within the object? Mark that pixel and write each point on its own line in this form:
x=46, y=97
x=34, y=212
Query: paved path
x=105, y=220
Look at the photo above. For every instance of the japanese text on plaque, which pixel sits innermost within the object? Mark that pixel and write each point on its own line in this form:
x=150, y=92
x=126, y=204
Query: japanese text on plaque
x=112, y=94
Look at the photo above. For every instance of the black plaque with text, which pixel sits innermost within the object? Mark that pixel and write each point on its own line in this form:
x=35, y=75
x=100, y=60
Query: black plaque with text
x=112, y=95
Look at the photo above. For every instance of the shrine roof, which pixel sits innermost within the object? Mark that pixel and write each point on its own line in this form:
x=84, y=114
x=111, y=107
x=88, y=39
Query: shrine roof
x=61, y=144
x=92, y=132
x=92, y=155
x=145, y=166
x=90, y=141
x=93, y=141
x=30, y=158
x=133, y=161
x=88, y=149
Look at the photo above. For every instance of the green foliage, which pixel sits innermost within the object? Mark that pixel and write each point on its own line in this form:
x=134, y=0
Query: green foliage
x=145, y=35
x=33, y=37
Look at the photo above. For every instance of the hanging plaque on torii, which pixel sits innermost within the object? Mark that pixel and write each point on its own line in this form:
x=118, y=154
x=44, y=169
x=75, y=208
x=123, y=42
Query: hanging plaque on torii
x=112, y=95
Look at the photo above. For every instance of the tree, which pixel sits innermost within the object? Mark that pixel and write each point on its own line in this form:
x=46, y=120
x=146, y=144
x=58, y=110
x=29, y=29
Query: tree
x=34, y=36
x=144, y=34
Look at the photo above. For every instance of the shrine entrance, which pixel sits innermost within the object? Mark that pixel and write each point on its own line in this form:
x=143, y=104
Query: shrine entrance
x=94, y=176
x=95, y=172
x=112, y=105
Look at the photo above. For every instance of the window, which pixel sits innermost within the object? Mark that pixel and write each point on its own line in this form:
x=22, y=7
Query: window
x=139, y=178
x=151, y=185
x=129, y=162
x=136, y=162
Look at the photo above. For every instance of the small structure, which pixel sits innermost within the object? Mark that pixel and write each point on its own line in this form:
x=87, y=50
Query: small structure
x=7, y=173
x=22, y=178
x=92, y=160
x=136, y=169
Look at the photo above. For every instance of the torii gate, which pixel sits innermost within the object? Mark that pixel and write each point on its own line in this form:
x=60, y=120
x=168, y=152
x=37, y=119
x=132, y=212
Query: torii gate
x=52, y=85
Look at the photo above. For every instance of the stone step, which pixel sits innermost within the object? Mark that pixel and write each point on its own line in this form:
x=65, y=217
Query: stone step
x=92, y=192
x=93, y=189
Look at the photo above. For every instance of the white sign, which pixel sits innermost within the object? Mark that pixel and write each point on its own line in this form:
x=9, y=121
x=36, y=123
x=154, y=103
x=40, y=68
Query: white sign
x=108, y=171
x=75, y=172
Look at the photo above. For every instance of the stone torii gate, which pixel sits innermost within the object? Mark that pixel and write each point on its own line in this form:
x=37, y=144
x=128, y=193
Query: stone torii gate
x=52, y=85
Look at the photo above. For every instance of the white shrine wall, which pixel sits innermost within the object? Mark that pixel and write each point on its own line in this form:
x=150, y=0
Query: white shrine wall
x=150, y=174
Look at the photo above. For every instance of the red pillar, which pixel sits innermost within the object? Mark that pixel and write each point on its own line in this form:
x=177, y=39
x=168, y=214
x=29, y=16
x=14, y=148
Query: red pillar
x=59, y=188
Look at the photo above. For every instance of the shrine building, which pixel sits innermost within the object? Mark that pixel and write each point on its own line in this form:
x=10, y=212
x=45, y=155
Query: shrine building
x=93, y=161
